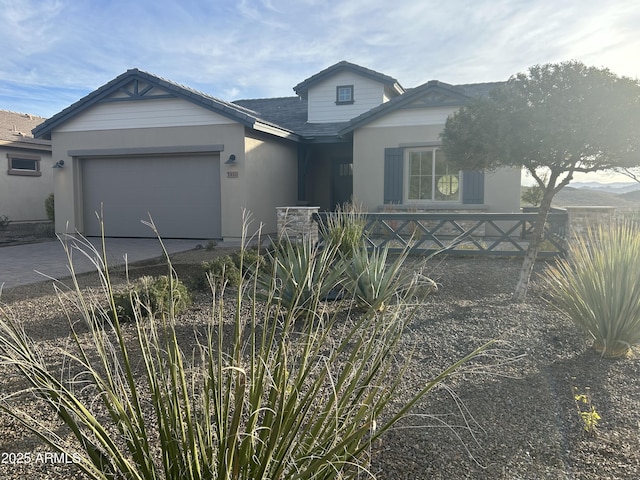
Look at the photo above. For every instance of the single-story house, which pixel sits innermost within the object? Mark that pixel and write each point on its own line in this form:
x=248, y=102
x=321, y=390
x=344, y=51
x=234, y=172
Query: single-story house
x=142, y=143
x=27, y=180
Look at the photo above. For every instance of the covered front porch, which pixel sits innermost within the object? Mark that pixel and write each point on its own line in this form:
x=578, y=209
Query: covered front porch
x=325, y=174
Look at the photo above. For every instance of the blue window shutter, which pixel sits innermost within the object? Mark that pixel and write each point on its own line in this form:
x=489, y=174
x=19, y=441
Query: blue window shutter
x=393, y=175
x=472, y=187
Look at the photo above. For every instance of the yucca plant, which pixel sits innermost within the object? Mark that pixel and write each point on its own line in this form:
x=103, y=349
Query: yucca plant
x=598, y=286
x=262, y=396
x=345, y=228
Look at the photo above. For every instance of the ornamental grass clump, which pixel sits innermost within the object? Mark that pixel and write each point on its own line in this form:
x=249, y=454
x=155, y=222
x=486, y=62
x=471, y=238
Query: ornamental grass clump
x=345, y=228
x=598, y=286
x=258, y=394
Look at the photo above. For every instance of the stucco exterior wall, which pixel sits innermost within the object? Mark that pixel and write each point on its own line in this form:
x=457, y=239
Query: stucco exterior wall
x=368, y=157
x=22, y=197
x=68, y=180
x=502, y=188
x=270, y=174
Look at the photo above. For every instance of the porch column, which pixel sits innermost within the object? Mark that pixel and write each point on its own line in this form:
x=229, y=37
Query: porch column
x=303, y=163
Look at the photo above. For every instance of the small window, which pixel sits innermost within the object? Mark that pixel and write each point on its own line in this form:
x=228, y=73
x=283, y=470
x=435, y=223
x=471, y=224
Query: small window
x=344, y=95
x=28, y=165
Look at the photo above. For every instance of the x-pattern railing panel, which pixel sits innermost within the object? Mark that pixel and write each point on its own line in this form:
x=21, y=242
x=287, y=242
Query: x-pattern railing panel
x=468, y=233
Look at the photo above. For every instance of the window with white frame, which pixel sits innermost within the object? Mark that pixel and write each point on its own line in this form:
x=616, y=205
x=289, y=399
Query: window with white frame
x=430, y=177
x=22, y=164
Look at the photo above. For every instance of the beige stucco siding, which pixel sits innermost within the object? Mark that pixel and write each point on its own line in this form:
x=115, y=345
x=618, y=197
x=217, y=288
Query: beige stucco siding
x=270, y=175
x=22, y=197
x=502, y=188
x=368, y=157
x=68, y=180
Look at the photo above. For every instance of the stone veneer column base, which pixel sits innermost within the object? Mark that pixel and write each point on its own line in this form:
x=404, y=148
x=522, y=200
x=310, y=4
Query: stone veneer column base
x=297, y=223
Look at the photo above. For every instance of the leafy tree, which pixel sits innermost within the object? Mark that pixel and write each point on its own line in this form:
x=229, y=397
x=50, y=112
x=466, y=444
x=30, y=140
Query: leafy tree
x=632, y=173
x=555, y=120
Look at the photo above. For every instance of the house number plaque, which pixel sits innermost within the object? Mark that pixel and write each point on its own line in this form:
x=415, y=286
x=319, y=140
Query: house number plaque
x=232, y=174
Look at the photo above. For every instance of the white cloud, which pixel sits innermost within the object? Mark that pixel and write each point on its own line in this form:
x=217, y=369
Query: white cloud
x=259, y=48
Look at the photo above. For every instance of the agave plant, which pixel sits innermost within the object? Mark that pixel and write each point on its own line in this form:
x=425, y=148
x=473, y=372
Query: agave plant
x=598, y=286
x=300, y=274
x=373, y=282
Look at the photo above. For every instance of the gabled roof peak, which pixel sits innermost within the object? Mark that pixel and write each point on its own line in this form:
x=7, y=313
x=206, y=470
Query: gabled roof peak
x=236, y=112
x=302, y=88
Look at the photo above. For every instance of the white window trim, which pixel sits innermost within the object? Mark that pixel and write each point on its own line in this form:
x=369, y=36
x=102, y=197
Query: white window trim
x=351, y=90
x=424, y=202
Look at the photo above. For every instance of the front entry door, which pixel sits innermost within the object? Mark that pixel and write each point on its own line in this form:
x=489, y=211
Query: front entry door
x=342, y=180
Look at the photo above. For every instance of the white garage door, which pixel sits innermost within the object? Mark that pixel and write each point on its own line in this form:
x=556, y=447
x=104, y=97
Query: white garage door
x=182, y=194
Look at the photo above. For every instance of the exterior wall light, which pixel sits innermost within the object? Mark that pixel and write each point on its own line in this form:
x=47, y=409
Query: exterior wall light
x=59, y=164
x=232, y=159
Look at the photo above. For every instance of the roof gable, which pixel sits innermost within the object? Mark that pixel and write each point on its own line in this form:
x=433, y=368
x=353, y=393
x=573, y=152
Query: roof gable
x=428, y=95
x=138, y=85
x=303, y=87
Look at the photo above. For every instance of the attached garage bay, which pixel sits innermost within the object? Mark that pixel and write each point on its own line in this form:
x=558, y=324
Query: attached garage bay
x=181, y=192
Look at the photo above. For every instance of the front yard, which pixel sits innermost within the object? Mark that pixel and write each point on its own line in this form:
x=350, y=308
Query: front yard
x=511, y=415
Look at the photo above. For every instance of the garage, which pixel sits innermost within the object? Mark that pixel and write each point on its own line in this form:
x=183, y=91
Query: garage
x=180, y=192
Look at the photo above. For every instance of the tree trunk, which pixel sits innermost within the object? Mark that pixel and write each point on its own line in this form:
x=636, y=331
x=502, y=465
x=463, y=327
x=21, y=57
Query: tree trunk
x=534, y=247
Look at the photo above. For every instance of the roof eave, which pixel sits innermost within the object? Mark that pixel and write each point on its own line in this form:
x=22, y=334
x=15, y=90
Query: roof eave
x=26, y=145
x=276, y=131
x=303, y=87
x=398, y=102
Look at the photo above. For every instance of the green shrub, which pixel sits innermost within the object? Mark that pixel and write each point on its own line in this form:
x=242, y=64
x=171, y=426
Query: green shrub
x=373, y=283
x=345, y=229
x=150, y=296
x=221, y=271
x=49, y=206
x=598, y=286
x=261, y=396
x=246, y=260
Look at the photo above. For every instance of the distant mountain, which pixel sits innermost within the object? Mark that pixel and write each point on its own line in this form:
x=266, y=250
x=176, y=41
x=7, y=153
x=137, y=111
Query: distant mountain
x=632, y=196
x=615, y=187
x=571, y=196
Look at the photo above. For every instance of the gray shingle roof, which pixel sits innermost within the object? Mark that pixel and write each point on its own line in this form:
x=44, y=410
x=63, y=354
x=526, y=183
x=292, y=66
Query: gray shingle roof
x=291, y=114
x=287, y=114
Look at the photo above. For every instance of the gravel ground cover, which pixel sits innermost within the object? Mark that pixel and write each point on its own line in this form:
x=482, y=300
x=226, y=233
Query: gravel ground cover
x=510, y=416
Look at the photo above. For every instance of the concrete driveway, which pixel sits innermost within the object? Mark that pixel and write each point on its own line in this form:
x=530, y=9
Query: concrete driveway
x=35, y=262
